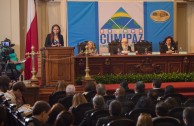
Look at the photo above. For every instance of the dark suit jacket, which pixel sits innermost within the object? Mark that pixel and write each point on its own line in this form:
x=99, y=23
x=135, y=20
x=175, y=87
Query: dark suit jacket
x=87, y=115
x=129, y=48
x=48, y=42
x=172, y=47
x=105, y=120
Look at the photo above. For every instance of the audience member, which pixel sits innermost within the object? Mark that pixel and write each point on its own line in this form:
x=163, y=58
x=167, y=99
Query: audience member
x=144, y=119
x=156, y=86
x=58, y=93
x=4, y=83
x=3, y=116
x=54, y=111
x=169, y=90
x=161, y=109
x=115, y=113
x=101, y=89
x=40, y=113
x=139, y=91
x=70, y=89
x=171, y=102
x=188, y=114
x=15, y=94
x=77, y=100
x=64, y=119
x=99, y=104
x=128, y=91
x=145, y=103
x=89, y=86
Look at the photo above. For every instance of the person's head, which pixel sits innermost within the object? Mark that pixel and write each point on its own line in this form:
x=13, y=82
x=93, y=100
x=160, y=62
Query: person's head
x=161, y=109
x=119, y=92
x=124, y=41
x=153, y=95
x=90, y=86
x=171, y=102
x=188, y=114
x=98, y=102
x=144, y=119
x=124, y=84
x=54, y=111
x=40, y=111
x=55, y=29
x=64, y=119
x=156, y=83
x=115, y=108
x=168, y=40
x=90, y=45
x=4, y=83
x=101, y=89
x=169, y=90
x=70, y=89
x=78, y=99
x=139, y=87
x=61, y=86
x=18, y=88
x=3, y=116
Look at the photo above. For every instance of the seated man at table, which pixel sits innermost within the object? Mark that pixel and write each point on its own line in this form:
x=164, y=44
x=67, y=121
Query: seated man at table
x=124, y=48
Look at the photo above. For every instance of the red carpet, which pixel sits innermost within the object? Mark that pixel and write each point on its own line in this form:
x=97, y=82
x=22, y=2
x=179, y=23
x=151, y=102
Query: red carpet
x=185, y=88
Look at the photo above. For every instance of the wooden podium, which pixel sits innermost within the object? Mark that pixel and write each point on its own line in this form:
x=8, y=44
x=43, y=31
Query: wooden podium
x=57, y=64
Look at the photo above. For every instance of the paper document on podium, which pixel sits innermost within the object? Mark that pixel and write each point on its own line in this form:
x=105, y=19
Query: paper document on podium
x=23, y=61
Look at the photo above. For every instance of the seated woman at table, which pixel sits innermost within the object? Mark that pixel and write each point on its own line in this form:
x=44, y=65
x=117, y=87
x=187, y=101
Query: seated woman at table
x=170, y=45
x=91, y=48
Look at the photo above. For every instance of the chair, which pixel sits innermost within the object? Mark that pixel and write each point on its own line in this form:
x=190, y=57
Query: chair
x=136, y=97
x=81, y=46
x=162, y=46
x=53, y=98
x=79, y=111
x=90, y=95
x=189, y=102
x=121, y=122
x=143, y=46
x=113, y=46
x=165, y=121
x=66, y=101
x=98, y=114
x=134, y=114
x=177, y=113
x=179, y=97
x=108, y=98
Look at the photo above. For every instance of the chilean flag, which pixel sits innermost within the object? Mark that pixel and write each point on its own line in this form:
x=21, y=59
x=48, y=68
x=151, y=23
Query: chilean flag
x=31, y=37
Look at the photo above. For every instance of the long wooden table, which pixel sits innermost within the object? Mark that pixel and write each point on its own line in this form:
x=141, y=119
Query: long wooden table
x=124, y=64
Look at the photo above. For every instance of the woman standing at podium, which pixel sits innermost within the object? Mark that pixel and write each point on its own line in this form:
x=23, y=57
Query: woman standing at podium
x=54, y=39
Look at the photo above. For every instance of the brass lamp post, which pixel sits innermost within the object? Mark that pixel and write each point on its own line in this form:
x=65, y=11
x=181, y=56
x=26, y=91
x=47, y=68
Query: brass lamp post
x=33, y=71
x=87, y=76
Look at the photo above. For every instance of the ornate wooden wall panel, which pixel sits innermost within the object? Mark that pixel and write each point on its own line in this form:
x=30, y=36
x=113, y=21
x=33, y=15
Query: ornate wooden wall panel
x=123, y=64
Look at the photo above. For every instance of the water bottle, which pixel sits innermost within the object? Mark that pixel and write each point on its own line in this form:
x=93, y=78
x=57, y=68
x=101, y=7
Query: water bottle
x=118, y=51
x=180, y=49
x=146, y=51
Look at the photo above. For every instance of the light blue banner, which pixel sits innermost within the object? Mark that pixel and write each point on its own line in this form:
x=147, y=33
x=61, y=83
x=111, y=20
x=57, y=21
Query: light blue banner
x=159, y=20
x=82, y=23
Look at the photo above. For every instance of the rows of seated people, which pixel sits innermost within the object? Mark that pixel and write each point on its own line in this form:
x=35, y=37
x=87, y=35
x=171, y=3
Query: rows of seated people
x=94, y=107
